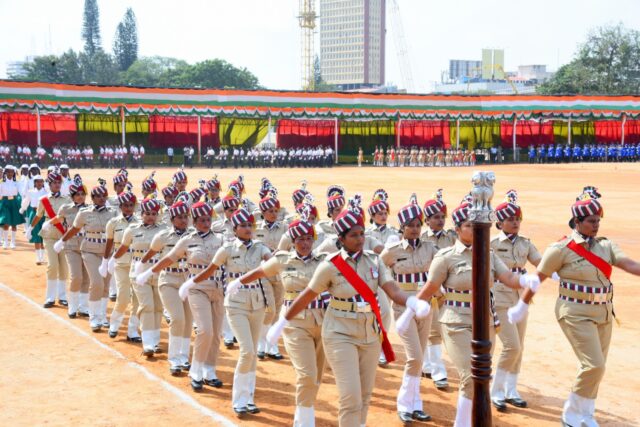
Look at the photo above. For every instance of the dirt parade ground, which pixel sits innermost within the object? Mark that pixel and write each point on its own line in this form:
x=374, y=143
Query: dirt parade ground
x=54, y=371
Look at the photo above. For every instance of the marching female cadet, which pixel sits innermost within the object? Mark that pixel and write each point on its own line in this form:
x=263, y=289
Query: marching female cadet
x=584, y=309
x=514, y=250
x=213, y=191
x=244, y=304
x=94, y=222
x=351, y=326
x=120, y=181
x=435, y=211
x=78, y=275
x=409, y=262
x=286, y=244
x=269, y=231
x=197, y=248
x=137, y=238
x=302, y=337
x=378, y=215
x=10, y=201
x=335, y=204
x=29, y=206
x=169, y=281
x=451, y=268
x=120, y=268
x=56, y=263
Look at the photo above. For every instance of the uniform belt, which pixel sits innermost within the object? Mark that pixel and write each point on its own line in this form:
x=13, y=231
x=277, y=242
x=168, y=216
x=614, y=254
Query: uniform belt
x=234, y=275
x=92, y=240
x=200, y=266
x=354, y=307
x=520, y=270
x=581, y=294
x=151, y=261
x=410, y=287
x=249, y=286
x=176, y=270
x=455, y=298
x=320, y=302
x=412, y=277
x=94, y=233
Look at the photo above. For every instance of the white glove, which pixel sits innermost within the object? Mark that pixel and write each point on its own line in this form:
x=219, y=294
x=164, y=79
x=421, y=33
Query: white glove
x=111, y=265
x=555, y=277
x=137, y=267
x=531, y=281
x=103, y=267
x=394, y=238
x=27, y=234
x=183, y=292
x=21, y=211
x=232, y=288
x=274, y=332
x=403, y=322
x=142, y=278
x=518, y=312
x=420, y=307
x=58, y=246
x=46, y=226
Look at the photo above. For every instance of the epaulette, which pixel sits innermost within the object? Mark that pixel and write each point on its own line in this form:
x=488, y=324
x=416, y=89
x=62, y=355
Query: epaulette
x=394, y=245
x=600, y=239
x=445, y=251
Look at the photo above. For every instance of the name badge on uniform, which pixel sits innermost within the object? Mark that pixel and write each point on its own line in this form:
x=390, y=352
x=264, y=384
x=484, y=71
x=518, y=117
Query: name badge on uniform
x=138, y=235
x=193, y=246
x=374, y=272
x=235, y=257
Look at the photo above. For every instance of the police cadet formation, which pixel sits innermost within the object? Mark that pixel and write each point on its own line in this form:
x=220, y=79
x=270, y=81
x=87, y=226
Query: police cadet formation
x=326, y=276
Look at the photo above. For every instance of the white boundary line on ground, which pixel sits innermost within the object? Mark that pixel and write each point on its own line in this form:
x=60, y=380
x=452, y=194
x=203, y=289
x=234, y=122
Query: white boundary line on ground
x=184, y=397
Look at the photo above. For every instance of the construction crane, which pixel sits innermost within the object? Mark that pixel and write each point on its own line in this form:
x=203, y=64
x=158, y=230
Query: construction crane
x=402, y=49
x=307, y=21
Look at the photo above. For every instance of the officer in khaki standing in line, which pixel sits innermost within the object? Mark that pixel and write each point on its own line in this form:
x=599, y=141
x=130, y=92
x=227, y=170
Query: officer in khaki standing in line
x=451, y=268
x=120, y=267
x=409, y=261
x=269, y=231
x=378, y=215
x=514, y=250
x=169, y=281
x=302, y=337
x=79, y=276
x=351, y=327
x=93, y=220
x=286, y=244
x=335, y=204
x=57, y=271
x=582, y=262
x=435, y=211
x=120, y=181
x=197, y=248
x=244, y=303
x=137, y=238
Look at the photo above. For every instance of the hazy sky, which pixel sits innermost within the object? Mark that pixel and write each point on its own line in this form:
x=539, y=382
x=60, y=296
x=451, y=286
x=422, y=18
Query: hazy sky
x=263, y=35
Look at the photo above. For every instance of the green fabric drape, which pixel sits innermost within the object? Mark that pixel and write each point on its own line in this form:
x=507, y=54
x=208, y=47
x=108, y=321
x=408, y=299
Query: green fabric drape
x=581, y=132
x=242, y=132
x=476, y=134
x=366, y=134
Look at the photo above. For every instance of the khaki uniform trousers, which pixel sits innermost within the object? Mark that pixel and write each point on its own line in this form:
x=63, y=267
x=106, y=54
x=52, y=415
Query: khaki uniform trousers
x=512, y=337
x=354, y=367
x=246, y=325
x=56, y=262
x=98, y=285
x=590, y=341
x=304, y=346
x=435, y=333
x=150, y=305
x=457, y=341
x=125, y=294
x=414, y=340
x=385, y=309
x=179, y=311
x=207, y=309
x=79, y=276
x=271, y=293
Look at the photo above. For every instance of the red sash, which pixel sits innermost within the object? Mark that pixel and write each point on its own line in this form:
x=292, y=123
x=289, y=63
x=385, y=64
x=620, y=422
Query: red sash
x=365, y=291
x=593, y=259
x=49, y=210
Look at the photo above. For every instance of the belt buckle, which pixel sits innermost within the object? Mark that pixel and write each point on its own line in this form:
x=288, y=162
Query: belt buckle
x=361, y=306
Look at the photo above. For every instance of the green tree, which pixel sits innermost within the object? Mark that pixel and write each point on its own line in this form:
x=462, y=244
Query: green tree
x=57, y=69
x=99, y=68
x=125, y=43
x=91, y=27
x=608, y=63
x=154, y=71
x=217, y=73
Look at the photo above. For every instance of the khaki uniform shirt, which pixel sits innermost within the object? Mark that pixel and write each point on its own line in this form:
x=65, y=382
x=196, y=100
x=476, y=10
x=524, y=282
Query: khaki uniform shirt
x=451, y=268
x=270, y=236
x=94, y=224
x=403, y=259
x=163, y=242
x=383, y=235
x=330, y=244
x=115, y=231
x=358, y=326
x=67, y=214
x=295, y=274
x=572, y=268
x=515, y=256
x=326, y=226
x=443, y=240
x=113, y=202
x=137, y=237
x=237, y=260
x=197, y=252
x=56, y=203
x=224, y=227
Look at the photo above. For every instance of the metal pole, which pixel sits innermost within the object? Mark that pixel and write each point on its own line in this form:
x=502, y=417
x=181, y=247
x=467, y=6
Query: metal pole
x=38, y=133
x=457, y=134
x=569, y=132
x=336, y=140
x=398, y=133
x=269, y=132
x=515, y=154
x=199, y=140
x=481, y=215
x=123, y=125
x=624, y=121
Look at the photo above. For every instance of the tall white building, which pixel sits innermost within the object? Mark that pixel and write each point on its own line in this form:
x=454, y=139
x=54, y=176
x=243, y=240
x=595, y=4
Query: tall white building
x=352, y=42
